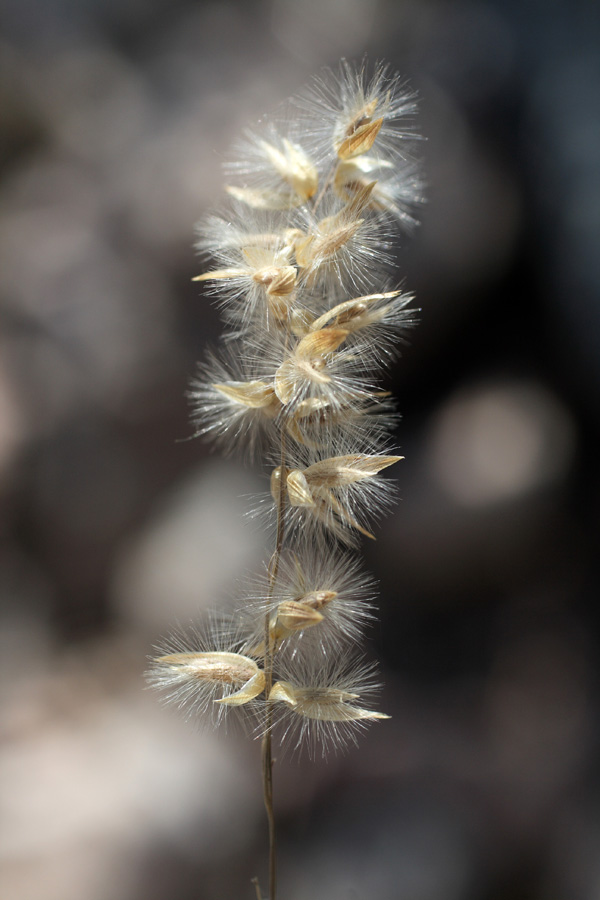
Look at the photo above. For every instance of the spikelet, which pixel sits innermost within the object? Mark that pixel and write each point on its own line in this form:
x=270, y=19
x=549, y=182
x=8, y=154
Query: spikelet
x=374, y=324
x=343, y=247
x=205, y=674
x=318, y=424
x=234, y=404
x=271, y=171
x=320, y=701
x=255, y=272
x=364, y=118
x=337, y=496
x=320, y=601
x=319, y=370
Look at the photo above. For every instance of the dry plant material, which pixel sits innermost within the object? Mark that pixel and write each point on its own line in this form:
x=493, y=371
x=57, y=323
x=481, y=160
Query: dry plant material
x=300, y=267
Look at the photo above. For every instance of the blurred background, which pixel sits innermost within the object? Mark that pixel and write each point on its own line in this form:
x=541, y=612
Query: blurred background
x=115, y=117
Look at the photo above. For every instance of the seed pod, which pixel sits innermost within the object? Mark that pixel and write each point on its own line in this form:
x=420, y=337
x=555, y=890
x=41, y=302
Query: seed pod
x=307, y=363
x=340, y=471
x=299, y=492
x=294, y=615
x=330, y=489
x=324, y=704
x=208, y=681
x=252, y=394
x=352, y=315
x=238, y=675
x=361, y=140
x=317, y=700
x=332, y=233
x=294, y=166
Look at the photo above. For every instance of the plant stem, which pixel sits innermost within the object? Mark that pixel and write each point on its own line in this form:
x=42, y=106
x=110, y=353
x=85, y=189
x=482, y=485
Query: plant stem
x=267, y=759
x=268, y=798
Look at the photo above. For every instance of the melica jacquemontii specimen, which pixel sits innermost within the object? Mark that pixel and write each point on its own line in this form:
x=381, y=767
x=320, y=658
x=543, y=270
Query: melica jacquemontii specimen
x=300, y=262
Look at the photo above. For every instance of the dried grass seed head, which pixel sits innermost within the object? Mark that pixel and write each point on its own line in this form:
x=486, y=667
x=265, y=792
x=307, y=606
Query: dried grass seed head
x=339, y=495
x=399, y=187
x=271, y=171
x=315, y=424
x=319, y=701
x=374, y=324
x=205, y=674
x=233, y=403
x=344, y=247
x=251, y=270
x=355, y=110
x=321, y=375
x=318, y=580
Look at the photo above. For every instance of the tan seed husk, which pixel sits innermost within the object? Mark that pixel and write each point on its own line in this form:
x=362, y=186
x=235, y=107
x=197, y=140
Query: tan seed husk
x=362, y=117
x=295, y=615
x=333, y=232
x=324, y=704
x=360, y=141
x=265, y=199
x=299, y=492
x=318, y=343
x=228, y=669
x=351, y=313
x=278, y=280
x=260, y=257
x=339, y=471
x=252, y=394
x=219, y=274
x=318, y=599
x=295, y=167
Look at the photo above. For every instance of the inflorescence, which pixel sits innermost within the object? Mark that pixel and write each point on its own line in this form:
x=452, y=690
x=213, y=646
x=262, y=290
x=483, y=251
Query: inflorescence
x=301, y=266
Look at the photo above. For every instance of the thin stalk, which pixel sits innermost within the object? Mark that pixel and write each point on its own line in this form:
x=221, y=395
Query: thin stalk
x=267, y=758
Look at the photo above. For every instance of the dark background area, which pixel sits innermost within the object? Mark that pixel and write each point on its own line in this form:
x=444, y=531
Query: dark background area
x=115, y=118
